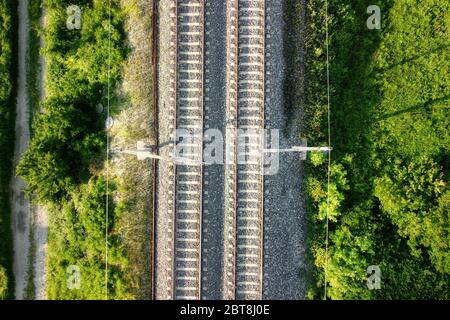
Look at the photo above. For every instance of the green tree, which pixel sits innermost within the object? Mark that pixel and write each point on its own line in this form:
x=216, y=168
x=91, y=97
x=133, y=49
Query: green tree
x=415, y=197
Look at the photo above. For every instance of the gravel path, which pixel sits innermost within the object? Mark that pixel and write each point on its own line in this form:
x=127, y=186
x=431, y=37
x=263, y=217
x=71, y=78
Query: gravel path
x=284, y=253
x=21, y=209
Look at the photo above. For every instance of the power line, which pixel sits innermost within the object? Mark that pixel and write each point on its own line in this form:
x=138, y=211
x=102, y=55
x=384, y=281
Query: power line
x=107, y=156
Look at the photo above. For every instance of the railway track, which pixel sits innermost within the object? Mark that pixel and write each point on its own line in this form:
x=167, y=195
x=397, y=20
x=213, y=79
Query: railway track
x=245, y=111
x=181, y=215
x=164, y=225
x=189, y=177
x=249, y=221
x=231, y=146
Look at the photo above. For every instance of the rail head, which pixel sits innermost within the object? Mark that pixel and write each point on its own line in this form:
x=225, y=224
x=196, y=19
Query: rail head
x=198, y=166
x=175, y=55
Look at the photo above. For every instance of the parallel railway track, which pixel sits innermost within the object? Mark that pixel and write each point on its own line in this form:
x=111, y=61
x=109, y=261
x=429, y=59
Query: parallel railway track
x=189, y=181
x=245, y=118
x=245, y=97
x=231, y=149
x=249, y=221
x=164, y=195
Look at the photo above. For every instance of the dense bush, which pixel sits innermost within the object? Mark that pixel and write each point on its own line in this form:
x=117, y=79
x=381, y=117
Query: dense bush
x=63, y=165
x=7, y=112
x=3, y=283
x=389, y=195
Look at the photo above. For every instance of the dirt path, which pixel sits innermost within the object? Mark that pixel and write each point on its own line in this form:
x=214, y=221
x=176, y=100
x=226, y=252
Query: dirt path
x=21, y=210
x=40, y=226
x=40, y=221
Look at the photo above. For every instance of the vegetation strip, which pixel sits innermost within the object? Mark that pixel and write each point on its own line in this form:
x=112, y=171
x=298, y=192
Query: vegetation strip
x=389, y=194
x=8, y=75
x=63, y=165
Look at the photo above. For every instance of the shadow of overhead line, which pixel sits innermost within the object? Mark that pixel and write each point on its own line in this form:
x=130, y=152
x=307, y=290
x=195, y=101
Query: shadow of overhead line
x=409, y=60
x=419, y=107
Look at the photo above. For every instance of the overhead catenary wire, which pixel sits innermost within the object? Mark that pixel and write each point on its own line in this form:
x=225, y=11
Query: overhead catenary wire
x=107, y=154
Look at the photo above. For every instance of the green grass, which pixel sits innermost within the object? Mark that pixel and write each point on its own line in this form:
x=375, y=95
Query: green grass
x=63, y=166
x=389, y=194
x=133, y=178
